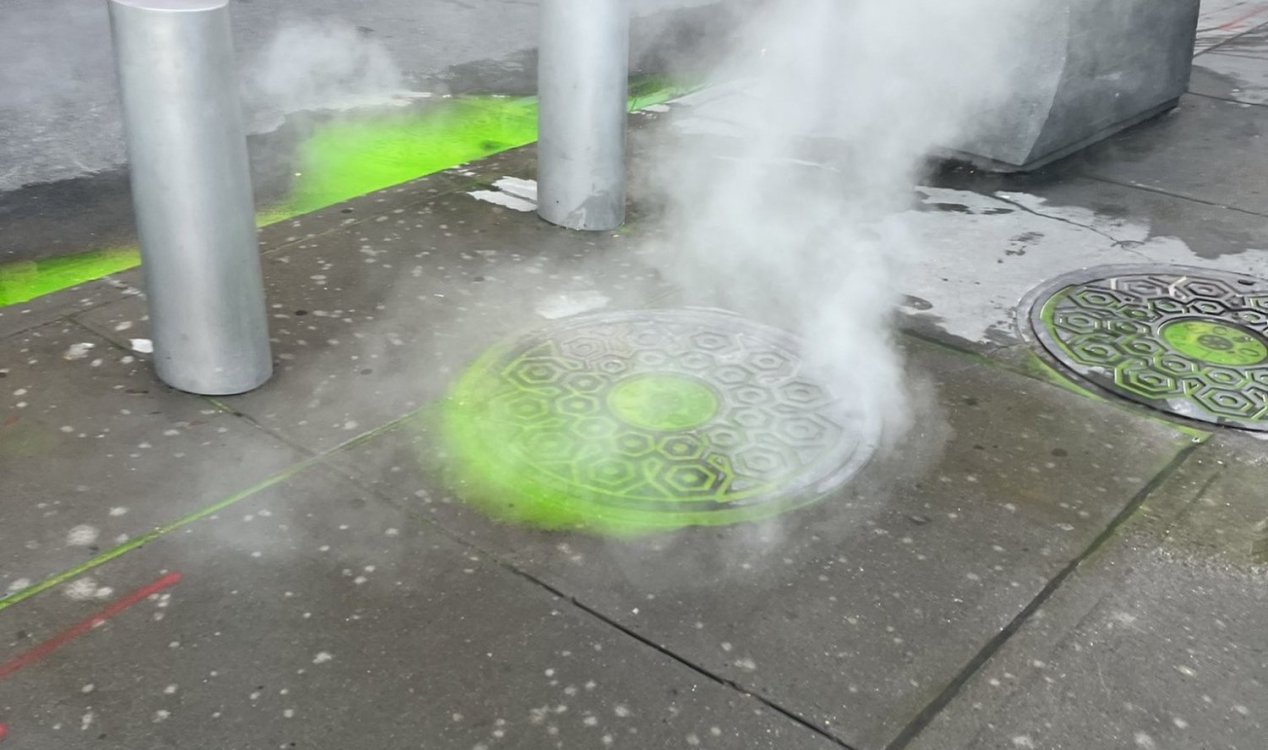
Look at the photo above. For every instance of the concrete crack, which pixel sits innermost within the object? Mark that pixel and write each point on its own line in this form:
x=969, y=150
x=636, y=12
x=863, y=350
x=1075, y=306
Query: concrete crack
x=1125, y=245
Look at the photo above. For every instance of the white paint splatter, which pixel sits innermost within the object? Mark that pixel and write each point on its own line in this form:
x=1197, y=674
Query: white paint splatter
x=567, y=304
x=82, y=589
x=78, y=351
x=82, y=536
x=143, y=346
x=526, y=189
x=19, y=584
x=498, y=198
x=322, y=657
x=119, y=511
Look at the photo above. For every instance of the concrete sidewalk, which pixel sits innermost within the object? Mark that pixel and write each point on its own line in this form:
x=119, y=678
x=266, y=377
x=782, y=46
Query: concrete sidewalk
x=1039, y=565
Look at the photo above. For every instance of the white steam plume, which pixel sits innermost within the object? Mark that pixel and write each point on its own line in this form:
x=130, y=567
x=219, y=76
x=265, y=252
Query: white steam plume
x=315, y=65
x=833, y=108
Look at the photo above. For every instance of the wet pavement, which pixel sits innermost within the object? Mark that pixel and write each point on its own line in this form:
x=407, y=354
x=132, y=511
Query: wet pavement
x=1034, y=565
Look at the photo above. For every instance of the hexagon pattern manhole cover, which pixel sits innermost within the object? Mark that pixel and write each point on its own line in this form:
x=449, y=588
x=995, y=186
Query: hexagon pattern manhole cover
x=1188, y=341
x=637, y=421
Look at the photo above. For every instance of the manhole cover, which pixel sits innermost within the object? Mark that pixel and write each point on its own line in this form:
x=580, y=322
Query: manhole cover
x=1188, y=341
x=636, y=421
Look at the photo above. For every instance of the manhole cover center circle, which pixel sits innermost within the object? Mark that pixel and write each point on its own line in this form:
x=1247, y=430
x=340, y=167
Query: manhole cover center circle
x=1216, y=343
x=664, y=402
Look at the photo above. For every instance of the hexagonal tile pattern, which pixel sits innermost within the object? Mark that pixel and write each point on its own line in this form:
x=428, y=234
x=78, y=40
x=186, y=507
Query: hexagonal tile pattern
x=668, y=417
x=1188, y=341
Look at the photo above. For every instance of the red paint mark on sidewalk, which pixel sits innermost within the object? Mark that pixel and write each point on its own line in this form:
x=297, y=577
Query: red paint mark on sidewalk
x=4, y=732
x=1240, y=21
x=75, y=631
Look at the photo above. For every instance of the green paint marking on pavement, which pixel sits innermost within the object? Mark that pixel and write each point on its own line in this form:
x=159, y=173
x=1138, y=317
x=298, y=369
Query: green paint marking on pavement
x=22, y=281
x=344, y=159
x=145, y=539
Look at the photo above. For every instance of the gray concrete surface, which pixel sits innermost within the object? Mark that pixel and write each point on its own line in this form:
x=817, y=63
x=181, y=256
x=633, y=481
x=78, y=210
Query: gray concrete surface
x=1034, y=567
x=1155, y=642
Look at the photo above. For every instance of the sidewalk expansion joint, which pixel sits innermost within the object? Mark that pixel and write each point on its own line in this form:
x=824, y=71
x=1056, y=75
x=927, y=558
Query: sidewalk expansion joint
x=1213, y=97
x=926, y=716
x=1170, y=194
x=668, y=653
x=511, y=567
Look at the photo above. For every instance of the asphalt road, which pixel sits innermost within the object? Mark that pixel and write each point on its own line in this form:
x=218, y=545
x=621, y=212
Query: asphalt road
x=59, y=114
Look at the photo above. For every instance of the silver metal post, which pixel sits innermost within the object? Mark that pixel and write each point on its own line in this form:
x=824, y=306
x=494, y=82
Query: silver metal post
x=191, y=187
x=583, y=72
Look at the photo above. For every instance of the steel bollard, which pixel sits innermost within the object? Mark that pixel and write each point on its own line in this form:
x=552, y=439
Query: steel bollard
x=582, y=80
x=191, y=188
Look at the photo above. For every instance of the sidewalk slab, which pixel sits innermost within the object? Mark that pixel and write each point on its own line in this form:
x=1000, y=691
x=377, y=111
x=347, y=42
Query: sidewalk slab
x=856, y=613
x=315, y=616
x=51, y=307
x=1206, y=150
x=1158, y=641
x=1224, y=20
x=1237, y=71
x=94, y=451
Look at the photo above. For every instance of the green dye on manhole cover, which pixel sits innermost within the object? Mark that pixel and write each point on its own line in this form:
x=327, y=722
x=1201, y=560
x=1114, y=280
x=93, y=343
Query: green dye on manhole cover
x=1216, y=343
x=1191, y=342
x=663, y=402
x=634, y=422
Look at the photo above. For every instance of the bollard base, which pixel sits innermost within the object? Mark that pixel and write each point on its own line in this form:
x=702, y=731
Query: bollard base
x=215, y=384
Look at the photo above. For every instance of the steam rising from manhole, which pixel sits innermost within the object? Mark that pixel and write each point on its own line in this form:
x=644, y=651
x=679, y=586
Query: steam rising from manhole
x=1187, y=341
x=633, y=422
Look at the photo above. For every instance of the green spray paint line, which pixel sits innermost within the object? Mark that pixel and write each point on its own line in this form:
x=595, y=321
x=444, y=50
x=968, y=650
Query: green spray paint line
x=198, y=515
x=345, y=159
x=151, y=536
